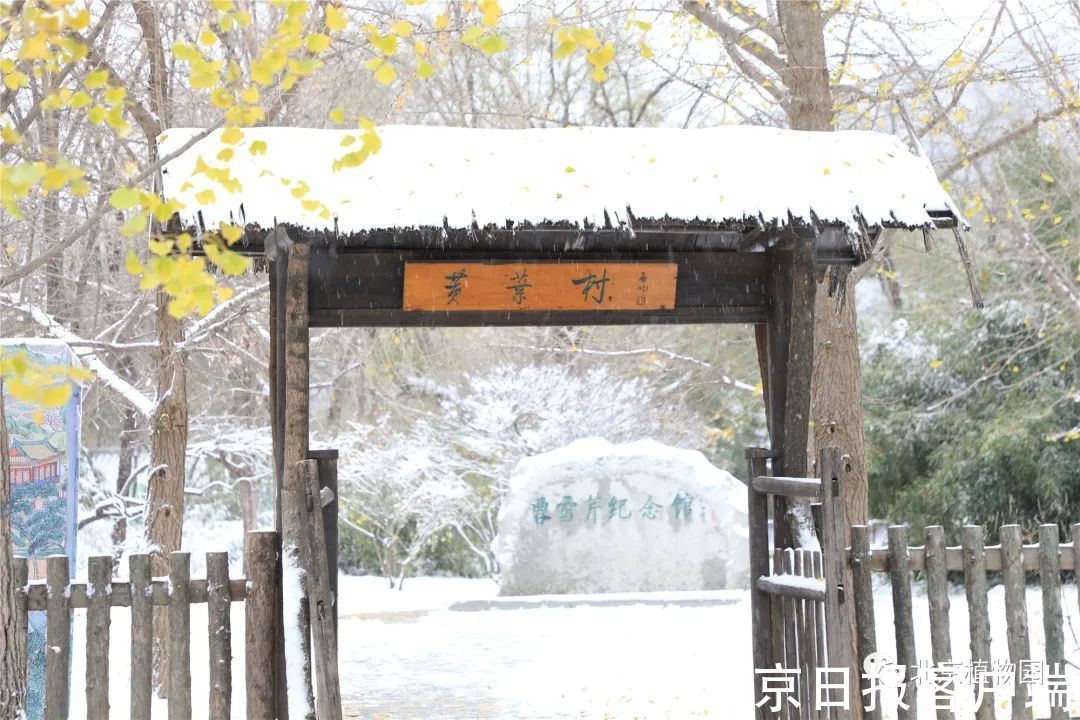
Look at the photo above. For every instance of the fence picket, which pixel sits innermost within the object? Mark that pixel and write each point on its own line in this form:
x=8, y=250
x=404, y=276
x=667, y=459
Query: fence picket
x=978, y=614
x=22, y=576
x=1050, y=575
x=179, y=665
x=937, y=594
x=141, y=636
x=99, y=574
x=260, y=561
x=791, y=621
x=900, y=576
x=819, y=630
x=219, y=631
x=1015, y=611
x=810, y=639
x=805, y=696
x=776, y=614
x=863, y=588
x=1076, y=559
x=58, y=639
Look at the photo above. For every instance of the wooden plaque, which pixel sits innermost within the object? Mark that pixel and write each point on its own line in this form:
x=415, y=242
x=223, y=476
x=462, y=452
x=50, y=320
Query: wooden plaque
x=522, y=286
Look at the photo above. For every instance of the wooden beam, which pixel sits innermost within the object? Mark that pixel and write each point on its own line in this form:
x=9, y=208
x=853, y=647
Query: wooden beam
x=792, y=586
x=377, y=278
x=791, y=487
x=400, y=318
x=833, y=244
x=295, y=450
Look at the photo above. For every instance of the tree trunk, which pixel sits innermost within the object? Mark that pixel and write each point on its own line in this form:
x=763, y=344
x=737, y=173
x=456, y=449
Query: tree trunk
x=836, y=413
x=12, y=643
x=169, y=423
x=168, y=444
x=54, y=268
x=125, y=461
x=836, y=394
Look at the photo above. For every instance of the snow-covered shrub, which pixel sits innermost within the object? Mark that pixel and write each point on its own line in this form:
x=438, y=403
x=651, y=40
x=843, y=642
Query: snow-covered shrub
x=403, y=485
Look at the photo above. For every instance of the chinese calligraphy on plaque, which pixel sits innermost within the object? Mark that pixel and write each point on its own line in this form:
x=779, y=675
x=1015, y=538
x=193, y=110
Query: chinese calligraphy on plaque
x=523, y=286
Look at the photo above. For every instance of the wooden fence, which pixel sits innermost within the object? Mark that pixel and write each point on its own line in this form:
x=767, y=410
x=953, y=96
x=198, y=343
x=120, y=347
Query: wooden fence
x=58, y=597
x=974, y=559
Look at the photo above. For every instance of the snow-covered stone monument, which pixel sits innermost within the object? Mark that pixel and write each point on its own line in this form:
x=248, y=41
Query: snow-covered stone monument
x=642, y=516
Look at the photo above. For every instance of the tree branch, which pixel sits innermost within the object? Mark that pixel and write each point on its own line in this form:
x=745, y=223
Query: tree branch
x=1006, y=138
x=132, y=395
x=101, y=211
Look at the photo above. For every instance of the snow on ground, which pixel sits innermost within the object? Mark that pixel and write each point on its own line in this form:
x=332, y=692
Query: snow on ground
x=408, y=654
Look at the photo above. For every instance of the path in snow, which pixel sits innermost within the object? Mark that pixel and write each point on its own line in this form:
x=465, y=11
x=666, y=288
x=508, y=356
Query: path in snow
x=589, y=661
x=411, y=654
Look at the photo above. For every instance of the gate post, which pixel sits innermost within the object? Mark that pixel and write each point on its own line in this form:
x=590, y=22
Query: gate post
x=757, y=517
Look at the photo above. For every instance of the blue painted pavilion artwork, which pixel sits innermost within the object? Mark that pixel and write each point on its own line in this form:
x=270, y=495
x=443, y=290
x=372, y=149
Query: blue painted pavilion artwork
x=43, y=454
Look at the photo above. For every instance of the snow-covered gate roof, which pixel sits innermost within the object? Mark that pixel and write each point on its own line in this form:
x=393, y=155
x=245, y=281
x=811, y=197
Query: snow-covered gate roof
x=427, y=182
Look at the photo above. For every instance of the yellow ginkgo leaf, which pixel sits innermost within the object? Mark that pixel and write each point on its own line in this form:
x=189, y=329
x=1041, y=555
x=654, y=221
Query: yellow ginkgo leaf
x=161, y=248
x=134, y=225
x=133, y=266
x=317, y=43
x=96, y=79
x=935, y=363
x=232, y=135
x=55, y=396
x=335, y=18
x=386, y=74
x=231, y=233
x=1047, y=177
x=337, y=115
x=79, y=21
x=124, y=198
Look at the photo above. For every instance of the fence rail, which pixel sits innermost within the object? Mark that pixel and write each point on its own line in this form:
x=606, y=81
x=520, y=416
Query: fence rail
x=954, y=558
x=58, y=597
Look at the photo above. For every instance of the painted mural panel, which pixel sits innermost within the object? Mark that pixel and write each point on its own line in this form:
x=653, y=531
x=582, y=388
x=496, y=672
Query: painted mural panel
x=44, y=453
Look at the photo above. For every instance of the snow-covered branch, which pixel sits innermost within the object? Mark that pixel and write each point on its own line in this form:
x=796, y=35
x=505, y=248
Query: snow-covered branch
x=724, y=379
x=79, y=346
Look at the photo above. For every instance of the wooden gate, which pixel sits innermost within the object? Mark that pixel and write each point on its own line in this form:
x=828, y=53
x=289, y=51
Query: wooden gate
x=797, y=596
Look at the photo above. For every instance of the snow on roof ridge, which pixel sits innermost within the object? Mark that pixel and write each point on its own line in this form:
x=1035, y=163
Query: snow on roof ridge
x=431, y=176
